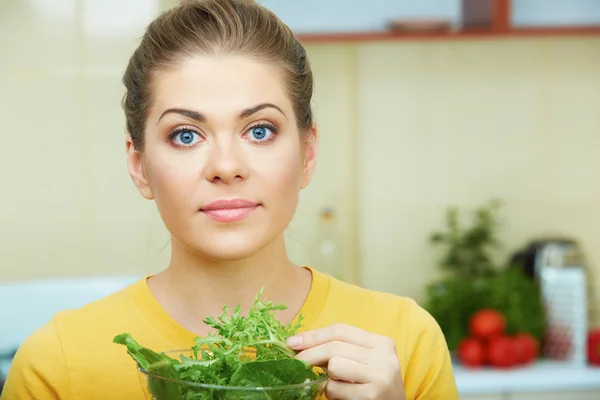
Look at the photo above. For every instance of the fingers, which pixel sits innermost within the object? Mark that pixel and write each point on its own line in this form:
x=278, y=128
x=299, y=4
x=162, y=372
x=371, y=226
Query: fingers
x=338, y=332
x=346, y=370
x=321, y=354
x=337, y=390
x=361, y=365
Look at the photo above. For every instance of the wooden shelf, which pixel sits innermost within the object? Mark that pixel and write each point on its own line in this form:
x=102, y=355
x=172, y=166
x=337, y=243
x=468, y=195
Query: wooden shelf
x=309, y=38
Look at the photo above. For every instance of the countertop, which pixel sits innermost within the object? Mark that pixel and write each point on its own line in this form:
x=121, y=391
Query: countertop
x=543, y=376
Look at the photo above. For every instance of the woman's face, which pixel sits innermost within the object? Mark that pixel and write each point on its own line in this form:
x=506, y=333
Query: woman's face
x=223, y=158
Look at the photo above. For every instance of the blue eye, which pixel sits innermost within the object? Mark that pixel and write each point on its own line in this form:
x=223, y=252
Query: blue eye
x=184, y=137
x=262, y=133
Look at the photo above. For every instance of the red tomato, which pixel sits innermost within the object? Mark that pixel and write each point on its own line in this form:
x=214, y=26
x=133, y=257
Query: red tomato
x=526, y=348
x=487, y=323
x=594, y=347
x=471, y=352
x=501, y=352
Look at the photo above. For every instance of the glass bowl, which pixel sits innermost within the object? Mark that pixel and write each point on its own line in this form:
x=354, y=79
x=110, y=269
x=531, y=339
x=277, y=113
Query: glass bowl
x=158, y=387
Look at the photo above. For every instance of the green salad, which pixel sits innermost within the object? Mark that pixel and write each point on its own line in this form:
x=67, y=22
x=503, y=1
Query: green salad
x=246, y=358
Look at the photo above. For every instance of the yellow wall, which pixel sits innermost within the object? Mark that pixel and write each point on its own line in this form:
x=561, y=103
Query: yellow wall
x=407, y=129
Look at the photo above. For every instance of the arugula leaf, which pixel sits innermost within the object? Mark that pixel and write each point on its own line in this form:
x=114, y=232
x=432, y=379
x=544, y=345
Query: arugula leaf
x=259, y=327
x=145, y=358
x=246, y=351
x=155, y=363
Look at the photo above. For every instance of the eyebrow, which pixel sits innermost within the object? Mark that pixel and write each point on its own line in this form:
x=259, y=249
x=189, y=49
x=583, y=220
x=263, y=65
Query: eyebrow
x=202, y=118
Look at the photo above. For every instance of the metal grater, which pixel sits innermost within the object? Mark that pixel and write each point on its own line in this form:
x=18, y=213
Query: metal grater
x=564, y=291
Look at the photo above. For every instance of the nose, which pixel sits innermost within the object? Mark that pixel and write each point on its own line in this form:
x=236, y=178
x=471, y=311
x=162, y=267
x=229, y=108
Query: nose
x=225, y=162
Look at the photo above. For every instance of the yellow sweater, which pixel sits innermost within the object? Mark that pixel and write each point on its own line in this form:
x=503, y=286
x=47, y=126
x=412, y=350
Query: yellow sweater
x=73, y=356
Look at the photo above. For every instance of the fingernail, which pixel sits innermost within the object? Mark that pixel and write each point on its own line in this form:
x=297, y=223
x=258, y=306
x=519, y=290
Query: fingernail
x=294, y=341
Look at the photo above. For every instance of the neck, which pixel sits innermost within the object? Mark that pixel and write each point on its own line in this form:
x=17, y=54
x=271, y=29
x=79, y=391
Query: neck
x=194, y=287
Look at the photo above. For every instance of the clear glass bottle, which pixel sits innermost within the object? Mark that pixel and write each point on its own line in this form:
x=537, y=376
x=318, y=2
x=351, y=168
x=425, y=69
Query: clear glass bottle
x=327, y=246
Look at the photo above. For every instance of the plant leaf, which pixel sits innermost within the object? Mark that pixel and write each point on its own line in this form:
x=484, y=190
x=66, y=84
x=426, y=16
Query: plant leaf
x=281, y=372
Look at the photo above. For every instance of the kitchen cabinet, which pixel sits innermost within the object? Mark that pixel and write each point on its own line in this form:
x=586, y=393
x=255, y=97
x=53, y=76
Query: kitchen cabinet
x=337, y=16
x=356, y=16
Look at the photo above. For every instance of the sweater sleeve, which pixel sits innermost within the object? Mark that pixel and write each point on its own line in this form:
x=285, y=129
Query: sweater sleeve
x=38, y=370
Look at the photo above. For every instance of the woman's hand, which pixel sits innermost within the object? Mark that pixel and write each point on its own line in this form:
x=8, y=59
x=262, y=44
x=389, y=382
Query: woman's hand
x=361, y=365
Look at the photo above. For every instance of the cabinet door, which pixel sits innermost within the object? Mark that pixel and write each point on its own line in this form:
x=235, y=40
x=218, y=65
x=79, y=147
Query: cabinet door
x=571, y=395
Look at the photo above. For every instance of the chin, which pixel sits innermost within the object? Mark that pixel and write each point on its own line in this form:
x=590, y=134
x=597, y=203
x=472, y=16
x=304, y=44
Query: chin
x=221, y=247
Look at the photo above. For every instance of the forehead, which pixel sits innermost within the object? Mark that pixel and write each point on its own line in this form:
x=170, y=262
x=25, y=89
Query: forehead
x=219, y=85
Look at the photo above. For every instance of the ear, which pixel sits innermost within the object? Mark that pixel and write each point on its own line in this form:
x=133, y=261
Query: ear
x=135, y=165
x=311, y=151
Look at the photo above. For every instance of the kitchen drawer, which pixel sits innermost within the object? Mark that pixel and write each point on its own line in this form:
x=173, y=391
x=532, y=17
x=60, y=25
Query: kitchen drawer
x=570, y=395
x=484, y=397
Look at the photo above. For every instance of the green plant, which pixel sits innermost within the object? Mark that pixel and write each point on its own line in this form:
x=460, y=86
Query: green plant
x=468, y=250
x=473, y=281
x=518, y=297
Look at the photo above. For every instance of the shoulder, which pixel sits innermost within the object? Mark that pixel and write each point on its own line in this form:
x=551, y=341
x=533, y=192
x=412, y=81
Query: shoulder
x=66, y=323
x=385, y=312
x=38, y=367
x=394, y=315
x=42, y=365
x=76, y=322
x=95, y=324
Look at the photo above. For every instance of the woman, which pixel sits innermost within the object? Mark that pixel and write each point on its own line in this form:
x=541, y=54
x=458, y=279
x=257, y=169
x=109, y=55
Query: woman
x=221, y=137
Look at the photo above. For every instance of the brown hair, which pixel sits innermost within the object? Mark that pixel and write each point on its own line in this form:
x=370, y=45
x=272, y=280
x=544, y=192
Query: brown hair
x=211, y=27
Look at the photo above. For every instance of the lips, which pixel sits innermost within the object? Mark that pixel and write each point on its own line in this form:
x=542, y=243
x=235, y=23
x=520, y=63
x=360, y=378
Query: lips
x=229, y=210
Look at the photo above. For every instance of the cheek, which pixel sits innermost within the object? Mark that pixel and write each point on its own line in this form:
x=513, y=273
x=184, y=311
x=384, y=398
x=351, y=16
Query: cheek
x=172, y=182
x=282, y=177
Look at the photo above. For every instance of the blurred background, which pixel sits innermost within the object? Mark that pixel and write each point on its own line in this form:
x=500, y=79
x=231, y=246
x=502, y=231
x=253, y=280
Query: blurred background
x=458, y=165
